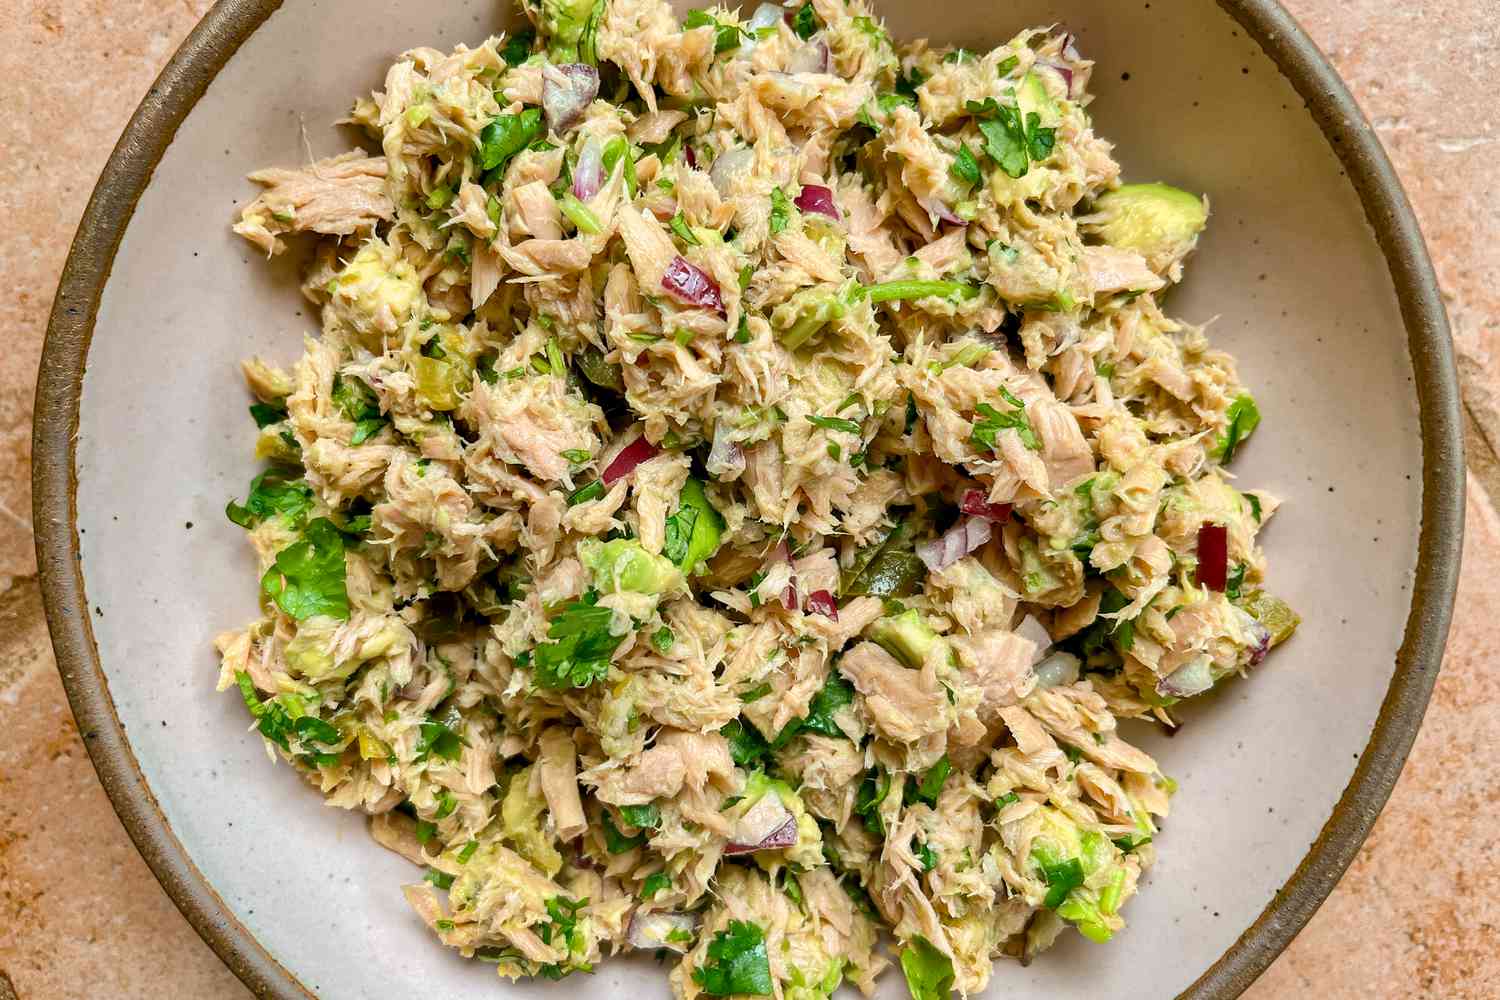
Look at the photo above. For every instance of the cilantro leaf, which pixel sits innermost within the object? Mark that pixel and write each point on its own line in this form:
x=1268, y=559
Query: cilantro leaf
x=931, y=785
x=835, y=694
x=781, y=210
x=646, y=817
x=805, y=22
x=616, y=842
x=746, y=746
x=929, y=972
x=440, y=739
x=1011, y=140
x=876, y=786
x=1039, y=141
x=679, y=533
x=990, y=422
x=655, y=883
x=308, y=576
x=965, y=168
x=835, y=424
x=506, y=136
x=736, y=962
x=282, y=727
x=265, y=414
x=1236, y=581
x=272, y=493
x=518, y=47
x=663, y=639
x=580, y=655
x=726, y=36
x=927, y=856
x=357, y=401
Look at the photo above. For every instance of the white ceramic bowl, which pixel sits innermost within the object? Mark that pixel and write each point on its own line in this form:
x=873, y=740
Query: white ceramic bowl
x=1312, y=265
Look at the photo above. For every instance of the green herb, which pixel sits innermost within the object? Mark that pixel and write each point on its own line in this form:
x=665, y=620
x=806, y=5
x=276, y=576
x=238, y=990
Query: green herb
x=746, y=746
x=835, y=424
x=506, y=136
x=891, y=291
x=1007, y=64
x=308, y=576
x=282, y=726
x=911, y=412
x=580, y=655
x=805, y=22
x=616, y=150
x=1244, y=417
x=931, y=785
x=872, y=792
x=265, y=414
x=358, y=403
x=965, y=168
x=438, y=738
x=425, y=831
x=835, y=694
x=1116, y=632
x=446, y=804
x=1254, y=502
x=646, y=817
x=586, y=492
x=271, y=493
x=1235, y=581
x=440, y=879
x=438, y=198
x=467, y=851
x=781, y=210
x=580, y=215
x=680, y=227
x=959, y=55
x=742, y=333
x=1010, y=140
x=1006, y=799
x=756, y=693
x=927, y=856
x=663, y=639
x=736, y=963
x=929, y=972
x=989, y=422
x=726, y=36
x=518, y=47
x=1104, y=369
x=616, y=842
x=655, y=883
x=890, y=102
x=835, y=452
x=577, y=456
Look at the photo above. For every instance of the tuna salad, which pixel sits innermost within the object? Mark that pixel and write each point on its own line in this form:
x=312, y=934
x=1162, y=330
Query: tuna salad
x=743, y=480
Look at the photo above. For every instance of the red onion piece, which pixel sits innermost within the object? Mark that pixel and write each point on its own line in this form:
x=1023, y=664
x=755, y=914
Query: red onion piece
x=566, y=91
x=588, y=174
x=630, y=456
x=821, y=602
x=818, y=199
x=1213, y=556
x=660, y=929
x=939, y=210
x=767, y=825
x=783, y=553
x=809, y=58
x=974, y=502
x=955, y=543
x=1193, y=677
x=691, y=285
x=690, y=156
x=1066, y=72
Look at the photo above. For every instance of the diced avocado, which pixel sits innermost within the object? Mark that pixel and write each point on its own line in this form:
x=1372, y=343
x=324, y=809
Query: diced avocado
x=1274, y=613
x=906, y=636
x=800, y=317
x=1158, y=221
x=1032, y=96
x=444, y=371
x=624, y=565
x=309, y=654
x=563, y=23
x=375, y=294
x=693, y=531
x=523, y=826
x=276, y=443
x=1084, y=876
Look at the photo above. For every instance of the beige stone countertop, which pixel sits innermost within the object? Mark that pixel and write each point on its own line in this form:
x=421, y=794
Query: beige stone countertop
x=1417, y=915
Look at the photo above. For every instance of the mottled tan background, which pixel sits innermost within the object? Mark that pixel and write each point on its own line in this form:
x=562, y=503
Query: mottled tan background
x=1417, y=915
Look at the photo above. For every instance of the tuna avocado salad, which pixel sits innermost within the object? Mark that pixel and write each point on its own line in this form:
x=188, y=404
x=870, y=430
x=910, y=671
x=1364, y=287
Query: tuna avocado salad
x=744, y=477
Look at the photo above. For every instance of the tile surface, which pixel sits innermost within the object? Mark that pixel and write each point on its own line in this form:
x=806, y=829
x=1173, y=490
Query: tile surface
x=1417, y=915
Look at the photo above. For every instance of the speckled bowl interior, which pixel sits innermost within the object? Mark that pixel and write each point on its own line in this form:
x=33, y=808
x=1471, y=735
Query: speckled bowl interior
x=1290, y=273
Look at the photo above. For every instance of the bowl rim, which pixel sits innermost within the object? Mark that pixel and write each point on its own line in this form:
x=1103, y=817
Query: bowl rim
x=151, y=130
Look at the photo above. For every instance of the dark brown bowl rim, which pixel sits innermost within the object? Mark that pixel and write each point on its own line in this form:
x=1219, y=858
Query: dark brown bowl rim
x=59, y=386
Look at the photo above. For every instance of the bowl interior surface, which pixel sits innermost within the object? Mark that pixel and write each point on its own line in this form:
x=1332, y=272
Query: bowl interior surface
x=1289, y=270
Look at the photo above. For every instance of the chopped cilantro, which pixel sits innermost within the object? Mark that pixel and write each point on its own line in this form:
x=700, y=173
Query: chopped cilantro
x=835, y=424
x=271, y=493
x=931, y=785
x=746, y=746
x=518, y=47
x=1010, y=140
x=655, y=883
x=663, y=639
x=1235, y=582
x=580, y=655
x=929, y=972
x=307, y=578
x=989, y=422
x=616, y=842
x=805, y=22
x=781, y=210
x=646, y=817
x=506, y=136
x=1243, y=416
x=927, y=856
x=680, y=227
x=356, y=400
x=965, y=168
x=876, y=786
x=736, y=963
x=438, y=738
x=264, y=414
x=834, y=695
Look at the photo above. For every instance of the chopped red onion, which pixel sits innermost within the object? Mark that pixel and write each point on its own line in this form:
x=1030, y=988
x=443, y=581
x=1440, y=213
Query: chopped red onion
x=1066, y=72
x=730, y=165
x=783, y=554
x=1034, y=630
x=817, y=199
x=690, y=284
x=588, y=174
x=1057, y=669
x=630, y=456
x=821, y=602
x=1213, y=556
x=690, y=156
x=1258, y=636
x=955, y=543
x=809, y=58
x=974, y=502
x=566, y=91
x=661, y=929
x=938, y=209
x=767, y=825
x=1194, y=677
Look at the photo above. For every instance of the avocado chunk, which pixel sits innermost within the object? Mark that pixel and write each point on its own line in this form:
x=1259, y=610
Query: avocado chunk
x=1274, y=613
x=1084, y=874
x=563, y=23
x=906, y=636
x=624, y=565
x=693, y=532
x=1032, y=98
x=1158, y=221
x=803, y=315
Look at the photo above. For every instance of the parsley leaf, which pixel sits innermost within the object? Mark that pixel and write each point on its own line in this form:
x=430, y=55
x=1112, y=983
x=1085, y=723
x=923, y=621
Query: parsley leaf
x=781, y=210
x=518, y=47
x=736, y=962
x=835, y=694
x=655, y=883
x=580, y=656
x=265, y=414
x=308, y=576
x=746, y=746
x=929, y=973
x=646, y=817
x=506, y=136
x=990, y=422
x=805, y=22
x=931, y=785
x=965, y=168
x=271, y=493
x=835, y=424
